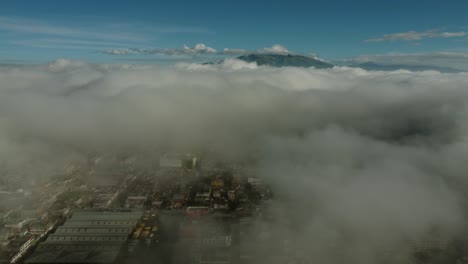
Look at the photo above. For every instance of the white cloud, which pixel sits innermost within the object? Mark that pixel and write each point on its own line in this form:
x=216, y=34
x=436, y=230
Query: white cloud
x=415, y=35
x=457, y=60
x=118, y=51
x=60, y=65
x=363, y=161
x=229, y=51
x=198, y=49
x=275, y=49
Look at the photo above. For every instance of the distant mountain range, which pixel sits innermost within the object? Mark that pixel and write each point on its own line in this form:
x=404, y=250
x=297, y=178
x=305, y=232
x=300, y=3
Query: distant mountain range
x=291, y=60
x=278, y=60
x=372, y=66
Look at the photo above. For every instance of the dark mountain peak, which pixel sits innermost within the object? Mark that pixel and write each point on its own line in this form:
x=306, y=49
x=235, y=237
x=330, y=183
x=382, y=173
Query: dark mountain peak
x=285, y=60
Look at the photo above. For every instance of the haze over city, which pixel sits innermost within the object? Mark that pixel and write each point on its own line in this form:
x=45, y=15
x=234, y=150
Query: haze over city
x=246, y=132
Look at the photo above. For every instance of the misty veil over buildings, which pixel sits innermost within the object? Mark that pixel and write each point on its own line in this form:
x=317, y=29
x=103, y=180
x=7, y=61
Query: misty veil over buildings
x=364, y=166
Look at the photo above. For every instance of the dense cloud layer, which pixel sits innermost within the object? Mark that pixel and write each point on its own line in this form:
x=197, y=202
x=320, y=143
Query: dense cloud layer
x=455, y=60
x=197, y=50
x=364, y=162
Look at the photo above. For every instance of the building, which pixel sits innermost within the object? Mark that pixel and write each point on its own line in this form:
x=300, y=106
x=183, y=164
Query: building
x=135, y=201
x=88, y=237
x=186, y=161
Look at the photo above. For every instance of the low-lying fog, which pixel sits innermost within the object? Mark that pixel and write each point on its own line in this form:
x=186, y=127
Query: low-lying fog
x=362, y=162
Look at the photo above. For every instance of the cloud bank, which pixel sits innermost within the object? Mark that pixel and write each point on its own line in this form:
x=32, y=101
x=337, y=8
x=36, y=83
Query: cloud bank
x=363, y=164
x=198, y=49
x=458, y=60
x=415, y=35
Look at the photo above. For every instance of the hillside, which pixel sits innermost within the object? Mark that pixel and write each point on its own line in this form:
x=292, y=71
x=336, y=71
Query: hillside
x=289, y=60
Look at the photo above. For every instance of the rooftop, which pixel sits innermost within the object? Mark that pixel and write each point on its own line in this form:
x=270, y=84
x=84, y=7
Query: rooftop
x=87, y=237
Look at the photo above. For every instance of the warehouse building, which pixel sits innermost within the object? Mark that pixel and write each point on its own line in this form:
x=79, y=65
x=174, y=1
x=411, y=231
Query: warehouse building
x=88, y=237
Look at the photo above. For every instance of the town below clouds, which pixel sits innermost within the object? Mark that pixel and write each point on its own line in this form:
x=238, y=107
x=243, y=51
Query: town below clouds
x=367, y=161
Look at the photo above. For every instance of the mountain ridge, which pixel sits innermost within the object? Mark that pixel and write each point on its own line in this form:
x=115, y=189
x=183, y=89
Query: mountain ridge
x=295, y=60
x=285, y=60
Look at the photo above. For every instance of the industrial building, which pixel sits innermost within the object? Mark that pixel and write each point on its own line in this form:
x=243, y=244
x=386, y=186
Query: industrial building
x=174, y=160
x=88, y=237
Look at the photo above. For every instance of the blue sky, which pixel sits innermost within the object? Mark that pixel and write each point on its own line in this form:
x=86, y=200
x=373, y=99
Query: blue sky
x=37, y=31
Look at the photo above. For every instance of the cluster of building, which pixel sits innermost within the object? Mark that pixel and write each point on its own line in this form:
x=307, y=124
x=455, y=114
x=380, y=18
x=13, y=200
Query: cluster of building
x=28, y=220
x=176, y=211
x=88, y=237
